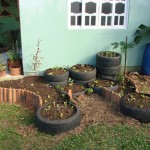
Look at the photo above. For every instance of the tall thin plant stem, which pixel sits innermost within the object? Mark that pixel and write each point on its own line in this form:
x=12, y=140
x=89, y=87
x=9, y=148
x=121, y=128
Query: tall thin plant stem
x=125, y=64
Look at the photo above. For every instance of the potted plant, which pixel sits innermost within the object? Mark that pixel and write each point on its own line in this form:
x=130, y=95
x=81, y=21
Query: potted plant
x=14, y=63
x=2, y=67
x=14, y=57
x=142, y=32
x=2, y=70
x=136, y=105
x=57, y=117
x=56, y=76
x=82, y=73
x=15, y=70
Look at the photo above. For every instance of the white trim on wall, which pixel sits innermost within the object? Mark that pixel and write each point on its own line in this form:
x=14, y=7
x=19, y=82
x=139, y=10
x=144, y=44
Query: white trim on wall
x=106, y=14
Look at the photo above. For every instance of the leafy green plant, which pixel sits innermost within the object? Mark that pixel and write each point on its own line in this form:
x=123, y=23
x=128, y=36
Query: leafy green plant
x=141, y=32
x=70, y=81
x=89, y=90
x=124, y=46
x=13, y=55
x=2, y=64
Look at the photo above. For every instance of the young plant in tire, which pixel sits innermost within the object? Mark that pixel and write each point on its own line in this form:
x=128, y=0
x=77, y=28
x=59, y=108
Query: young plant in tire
x=102, y=83
x=56, y=71
x=89, y=91
x=70, y=81
x=82, y=68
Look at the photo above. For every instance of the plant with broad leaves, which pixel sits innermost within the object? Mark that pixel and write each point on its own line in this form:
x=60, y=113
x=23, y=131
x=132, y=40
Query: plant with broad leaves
x=124, y=46
x=141, y=32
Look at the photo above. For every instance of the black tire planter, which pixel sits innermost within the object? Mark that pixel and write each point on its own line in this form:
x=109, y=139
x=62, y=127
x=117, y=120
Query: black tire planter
x=57, y=126
x=108, y=61
x=57, y=83
x=104, y=77
x=143, y=115
x=56, y=78
x=108, y=71
x=98, y=90
x=82, y=76
x=84, y=82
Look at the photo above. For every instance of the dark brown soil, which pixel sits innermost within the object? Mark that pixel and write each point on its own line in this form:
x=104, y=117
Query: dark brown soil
x=95, y=109
x=73, y=87
x=138, y=100
x=55, y=71
x=82, y=68
x=35, y=84
x=101, y=83
x=55, y=110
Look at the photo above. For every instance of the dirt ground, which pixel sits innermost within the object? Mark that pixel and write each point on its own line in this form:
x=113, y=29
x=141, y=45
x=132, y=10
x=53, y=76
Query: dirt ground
x=95, y=109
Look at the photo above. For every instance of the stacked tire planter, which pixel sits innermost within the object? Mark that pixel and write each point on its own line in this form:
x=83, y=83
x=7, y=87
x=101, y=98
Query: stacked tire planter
x=57, y=126
x=54, y=80
x=141, y=114
x=108, y=66
x=82, y=77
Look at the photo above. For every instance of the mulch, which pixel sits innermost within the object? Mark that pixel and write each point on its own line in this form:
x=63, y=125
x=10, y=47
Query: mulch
x=95, y=109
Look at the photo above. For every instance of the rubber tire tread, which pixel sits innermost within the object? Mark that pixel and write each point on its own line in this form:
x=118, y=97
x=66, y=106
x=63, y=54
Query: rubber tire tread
x=108, y=61
x=57, y=126
x=104, y=77
x=82, y=76
x=56, y=78
x=84, y=82
x=143, y=115
x=57, y=83
x=109, y=71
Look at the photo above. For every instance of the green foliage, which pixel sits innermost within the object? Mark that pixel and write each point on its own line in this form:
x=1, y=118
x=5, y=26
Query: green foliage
x=122, y=45
x=13, y=55
x=89, y=90
x=141, y=32
x=119, y=79
x=2, y=64
x=70, y=81
x=2, y=67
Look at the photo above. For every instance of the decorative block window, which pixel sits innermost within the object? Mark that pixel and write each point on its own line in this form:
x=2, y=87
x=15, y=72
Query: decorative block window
x=90, y=14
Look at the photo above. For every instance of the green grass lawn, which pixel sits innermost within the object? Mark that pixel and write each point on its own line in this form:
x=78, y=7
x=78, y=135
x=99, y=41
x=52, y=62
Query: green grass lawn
x=17, y=132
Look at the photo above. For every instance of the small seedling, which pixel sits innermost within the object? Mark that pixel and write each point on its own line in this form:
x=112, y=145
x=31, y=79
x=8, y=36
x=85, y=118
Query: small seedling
x=95, y=81
x=61, y=115
x=70, y=81
x=89, y=90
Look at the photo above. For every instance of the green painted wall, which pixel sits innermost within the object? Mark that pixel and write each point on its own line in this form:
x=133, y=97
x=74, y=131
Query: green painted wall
x=47, y=20
x=9, y=22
